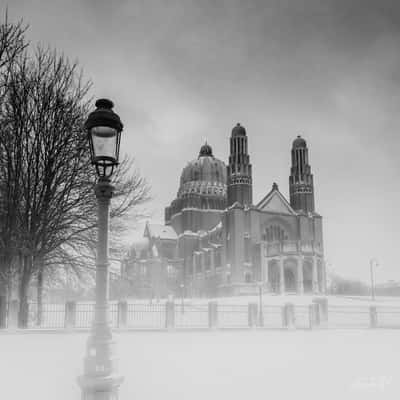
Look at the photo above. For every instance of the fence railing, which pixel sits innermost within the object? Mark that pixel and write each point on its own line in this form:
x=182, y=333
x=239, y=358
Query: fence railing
x=349, y=317
x=52, y=315
x=211, y=315
x=388, y=317
x=150, y=316
x=233, y=316
x=191, y=316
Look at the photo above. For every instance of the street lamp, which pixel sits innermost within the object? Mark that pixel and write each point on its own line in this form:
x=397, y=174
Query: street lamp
x=182, y=286
x=104, y=129
x=260, y=304
x=329, y=271
x=373, y=262
x=100, y=381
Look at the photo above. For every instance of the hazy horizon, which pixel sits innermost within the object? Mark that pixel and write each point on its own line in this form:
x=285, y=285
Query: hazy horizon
x=182, y=74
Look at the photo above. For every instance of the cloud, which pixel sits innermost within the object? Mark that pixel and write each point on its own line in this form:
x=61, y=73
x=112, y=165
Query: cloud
x=181, y=72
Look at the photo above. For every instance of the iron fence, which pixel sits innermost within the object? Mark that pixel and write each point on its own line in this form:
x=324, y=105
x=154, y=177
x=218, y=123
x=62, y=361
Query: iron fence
x=52, y=315
x=140, y=315
x=191, y=316
x=84, y=315
x=146, y=316
x=272, y=316
x=302, y=317
x=388, y=317
x=233, y=316
x=348, y=317
x=114, y=314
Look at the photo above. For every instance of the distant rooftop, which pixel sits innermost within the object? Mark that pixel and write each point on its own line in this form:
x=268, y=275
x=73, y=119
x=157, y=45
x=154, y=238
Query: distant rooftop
x=161, y=231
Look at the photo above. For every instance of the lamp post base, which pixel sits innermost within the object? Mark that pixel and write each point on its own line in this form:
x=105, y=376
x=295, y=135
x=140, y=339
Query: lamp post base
x=100, y=387
x=100, y=380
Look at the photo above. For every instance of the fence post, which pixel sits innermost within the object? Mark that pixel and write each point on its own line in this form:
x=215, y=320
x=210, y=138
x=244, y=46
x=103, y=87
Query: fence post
x=289, y=316
x=122, y=314
x=3, y=312
x=252, y=314
x=23, y=315
x=13, y=314
x=313, y=313
x=212, y=314
x=70, y=314
x=322, y=303
x=373, y=317
x=170, y=314
x=317, y=311
x=311, y=316
x=283, y=313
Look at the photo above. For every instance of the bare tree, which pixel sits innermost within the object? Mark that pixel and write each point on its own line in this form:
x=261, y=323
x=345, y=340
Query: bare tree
x=52, y=182
x=12, y=46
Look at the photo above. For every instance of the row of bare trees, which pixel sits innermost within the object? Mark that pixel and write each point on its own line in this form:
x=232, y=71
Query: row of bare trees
x=47, y=203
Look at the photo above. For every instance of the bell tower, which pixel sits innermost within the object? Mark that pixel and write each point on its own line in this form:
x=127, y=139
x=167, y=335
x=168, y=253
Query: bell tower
x=240, y=186
x=301, y=183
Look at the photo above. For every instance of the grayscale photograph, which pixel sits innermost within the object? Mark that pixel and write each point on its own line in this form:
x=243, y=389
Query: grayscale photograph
x=198, y=199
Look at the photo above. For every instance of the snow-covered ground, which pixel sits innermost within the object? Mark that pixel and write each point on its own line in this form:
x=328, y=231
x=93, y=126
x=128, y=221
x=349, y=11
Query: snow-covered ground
x=270, y=299
x=307, y=299
x=359, y=364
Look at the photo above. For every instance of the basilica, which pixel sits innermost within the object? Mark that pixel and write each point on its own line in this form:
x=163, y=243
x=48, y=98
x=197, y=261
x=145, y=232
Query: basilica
x=216, y=241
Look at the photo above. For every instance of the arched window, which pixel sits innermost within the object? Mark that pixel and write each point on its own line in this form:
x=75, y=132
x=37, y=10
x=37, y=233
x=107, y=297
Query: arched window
x=274, y=233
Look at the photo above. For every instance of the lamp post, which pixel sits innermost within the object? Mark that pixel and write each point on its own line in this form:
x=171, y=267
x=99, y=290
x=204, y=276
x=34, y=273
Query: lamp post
x=260, y=304
x=100, y=380
x=329, y=276
x=151, y=293
x=228, y=280
x=373, y=262
x=182, y=286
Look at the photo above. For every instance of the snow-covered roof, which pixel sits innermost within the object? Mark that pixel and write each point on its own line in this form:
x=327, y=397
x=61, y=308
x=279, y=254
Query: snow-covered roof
x=216, y=228
x=160, y=231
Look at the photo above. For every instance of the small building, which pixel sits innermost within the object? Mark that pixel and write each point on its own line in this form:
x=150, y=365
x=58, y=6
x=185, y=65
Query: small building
x=217, y=241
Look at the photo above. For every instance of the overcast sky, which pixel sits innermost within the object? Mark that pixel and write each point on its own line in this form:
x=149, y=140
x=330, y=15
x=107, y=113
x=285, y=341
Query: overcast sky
x=182, y=72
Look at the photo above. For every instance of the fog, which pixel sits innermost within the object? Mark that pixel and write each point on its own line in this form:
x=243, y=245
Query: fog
x=182, y=73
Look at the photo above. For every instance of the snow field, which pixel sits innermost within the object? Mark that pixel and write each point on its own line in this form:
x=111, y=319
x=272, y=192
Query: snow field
x=337, y=364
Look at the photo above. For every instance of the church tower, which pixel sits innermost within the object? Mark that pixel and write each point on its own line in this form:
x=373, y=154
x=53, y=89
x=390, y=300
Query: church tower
x=240, y=187
x=301, y=185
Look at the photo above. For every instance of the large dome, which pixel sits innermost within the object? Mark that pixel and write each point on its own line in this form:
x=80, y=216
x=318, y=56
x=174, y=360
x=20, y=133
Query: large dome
x=201, y=196
x=204, y=176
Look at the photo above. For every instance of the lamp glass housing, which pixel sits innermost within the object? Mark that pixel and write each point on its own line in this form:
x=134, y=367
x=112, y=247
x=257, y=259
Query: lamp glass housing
x=104, y=127
x=104, y=142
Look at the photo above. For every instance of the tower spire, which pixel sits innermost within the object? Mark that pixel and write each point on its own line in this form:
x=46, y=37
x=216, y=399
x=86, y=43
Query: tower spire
x=239, y=174
x=301, y=182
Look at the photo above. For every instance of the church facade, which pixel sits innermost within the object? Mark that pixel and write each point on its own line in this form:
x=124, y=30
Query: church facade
x=217, y=242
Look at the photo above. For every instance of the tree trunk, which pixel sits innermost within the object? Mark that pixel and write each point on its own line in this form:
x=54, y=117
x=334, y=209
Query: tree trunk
x=3, y=304
x=3, y=287
x=23, y=313
x=39, y=294
x=5, y=279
